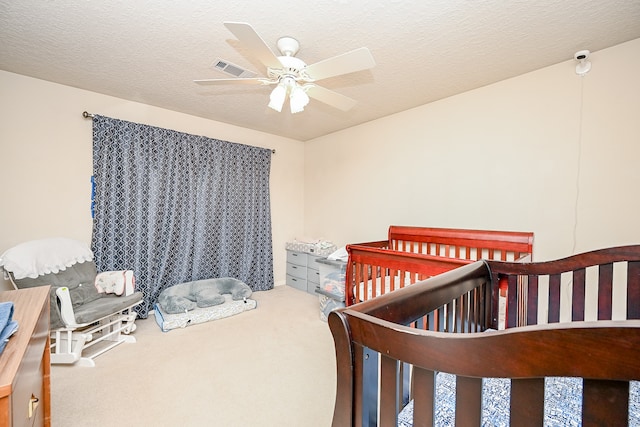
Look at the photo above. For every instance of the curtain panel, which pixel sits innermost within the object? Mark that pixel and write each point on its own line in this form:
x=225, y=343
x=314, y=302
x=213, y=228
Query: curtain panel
x=175, y=207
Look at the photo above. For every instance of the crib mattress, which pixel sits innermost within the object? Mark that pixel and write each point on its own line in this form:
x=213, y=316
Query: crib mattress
x=230, y=307
x=563, y=402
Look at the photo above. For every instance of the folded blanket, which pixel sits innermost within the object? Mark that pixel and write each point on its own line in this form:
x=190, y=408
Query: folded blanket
x=7, y=325
x=120, y=282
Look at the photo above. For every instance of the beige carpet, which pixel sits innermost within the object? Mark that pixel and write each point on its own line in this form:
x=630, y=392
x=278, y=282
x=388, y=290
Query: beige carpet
x=272, y=366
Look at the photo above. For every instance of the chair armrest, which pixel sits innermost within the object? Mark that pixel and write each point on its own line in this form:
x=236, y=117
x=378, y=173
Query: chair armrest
x=66, y=307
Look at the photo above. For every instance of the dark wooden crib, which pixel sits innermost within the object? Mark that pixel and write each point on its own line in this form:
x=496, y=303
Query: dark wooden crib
x=411, y=254
x=573, y=317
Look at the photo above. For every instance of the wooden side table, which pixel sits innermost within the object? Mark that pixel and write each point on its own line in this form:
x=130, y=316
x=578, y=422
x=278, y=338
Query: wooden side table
x=25, y=362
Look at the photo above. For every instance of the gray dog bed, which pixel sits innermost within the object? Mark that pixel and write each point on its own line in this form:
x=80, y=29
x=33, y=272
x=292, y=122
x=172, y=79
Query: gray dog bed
x=201, y=301
x=200, y=315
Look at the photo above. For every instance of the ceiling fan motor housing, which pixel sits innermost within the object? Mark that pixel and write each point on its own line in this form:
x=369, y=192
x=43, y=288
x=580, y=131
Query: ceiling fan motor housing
x=291, y=66
x=288, y=46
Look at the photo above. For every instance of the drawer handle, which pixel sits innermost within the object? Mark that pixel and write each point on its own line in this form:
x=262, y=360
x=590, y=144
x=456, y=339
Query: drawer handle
x=33, y=404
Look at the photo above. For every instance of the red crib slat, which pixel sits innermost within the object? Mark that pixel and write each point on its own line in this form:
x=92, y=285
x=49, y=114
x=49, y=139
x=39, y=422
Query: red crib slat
x=527, y=402
x=468, y=401
x=605, y=291
x=577, y=305
x=355, y=291
x=382, y=280
x=605, y=403
x=554, y=298
x=373, y=278
x=633, y=289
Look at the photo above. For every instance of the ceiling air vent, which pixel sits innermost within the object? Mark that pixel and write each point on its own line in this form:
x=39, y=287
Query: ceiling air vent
x=232, y=69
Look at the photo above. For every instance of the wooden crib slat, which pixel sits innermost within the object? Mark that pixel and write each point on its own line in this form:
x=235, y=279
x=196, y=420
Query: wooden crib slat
x=388, y=399
x=423, y=397
x=430, y=321
x=522, y=300
x=458, y=316
x=442, y=325
x=480, y=312
x=370, y=364
x=493, y=295
x=527, y=402
x=605, y=403
x=633, y=289
x=468, y=401
x=577, y=304
x=532, y=300
x=554, y=298
x=474, y=311
x=465, y=320
x=358, y=385
x=512, y=301
x=605, y=291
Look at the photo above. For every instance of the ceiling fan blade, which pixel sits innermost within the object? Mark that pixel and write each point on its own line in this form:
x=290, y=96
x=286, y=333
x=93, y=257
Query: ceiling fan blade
x=246, y=81
x=252, y=41
x=331, y=98
x=355, y=60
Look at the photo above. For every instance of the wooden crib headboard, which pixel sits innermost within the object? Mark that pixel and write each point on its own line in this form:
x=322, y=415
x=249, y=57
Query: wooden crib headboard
x=415, y=253
x=461, y=243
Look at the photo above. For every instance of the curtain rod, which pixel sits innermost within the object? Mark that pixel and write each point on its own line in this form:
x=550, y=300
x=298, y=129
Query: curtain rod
x=91, y=115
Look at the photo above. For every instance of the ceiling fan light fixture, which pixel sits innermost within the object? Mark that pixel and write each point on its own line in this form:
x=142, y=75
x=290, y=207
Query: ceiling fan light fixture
x=298, y=99
x=276, y=99
x=291, y=75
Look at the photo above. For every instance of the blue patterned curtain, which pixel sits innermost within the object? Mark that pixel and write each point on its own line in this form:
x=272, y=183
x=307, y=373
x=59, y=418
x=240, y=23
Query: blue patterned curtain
x=175, y=207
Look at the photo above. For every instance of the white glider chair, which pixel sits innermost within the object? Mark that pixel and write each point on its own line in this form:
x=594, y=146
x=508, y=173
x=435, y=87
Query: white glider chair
x=91, y=313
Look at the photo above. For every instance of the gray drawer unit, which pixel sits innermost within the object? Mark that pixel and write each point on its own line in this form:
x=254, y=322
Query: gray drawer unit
x=297, y=271
x=297, y=282
x=297, y=258
x=303, y=271
x=313, y=274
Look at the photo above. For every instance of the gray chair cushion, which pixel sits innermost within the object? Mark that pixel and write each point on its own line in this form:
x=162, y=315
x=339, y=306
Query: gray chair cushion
x=88, y=304
x=104, y=306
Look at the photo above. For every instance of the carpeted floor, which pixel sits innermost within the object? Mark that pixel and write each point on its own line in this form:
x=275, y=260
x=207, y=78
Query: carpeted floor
x=272, y=366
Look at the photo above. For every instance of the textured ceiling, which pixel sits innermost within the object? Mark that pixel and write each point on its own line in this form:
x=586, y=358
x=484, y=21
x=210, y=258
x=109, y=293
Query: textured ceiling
x=150, y=51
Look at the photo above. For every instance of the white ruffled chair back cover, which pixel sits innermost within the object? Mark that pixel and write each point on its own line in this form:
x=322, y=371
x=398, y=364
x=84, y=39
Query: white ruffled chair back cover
x=39, y=257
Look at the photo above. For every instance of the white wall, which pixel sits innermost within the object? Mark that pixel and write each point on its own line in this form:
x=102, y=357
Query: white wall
x=45, y=146
x=532, y=153
x=515, y=155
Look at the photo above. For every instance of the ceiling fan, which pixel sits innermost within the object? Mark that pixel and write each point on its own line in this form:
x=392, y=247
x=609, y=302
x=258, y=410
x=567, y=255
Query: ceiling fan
x=291, y=75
